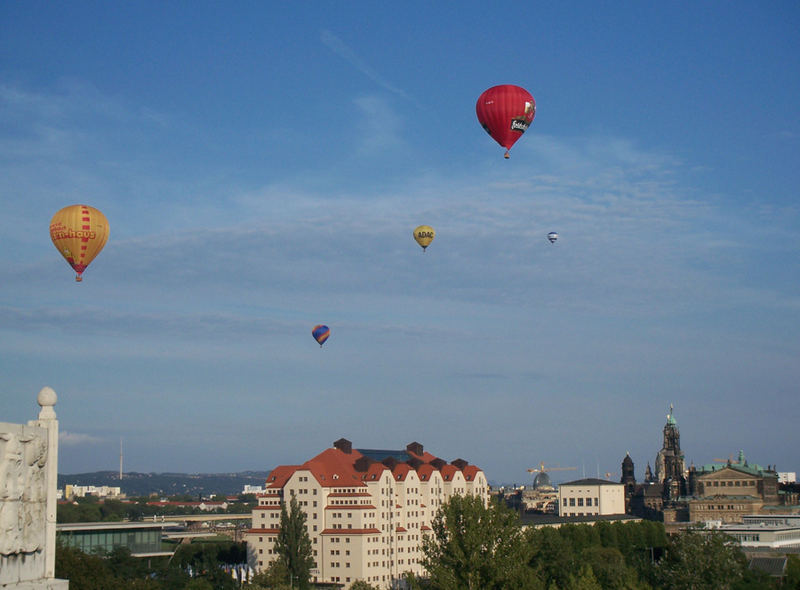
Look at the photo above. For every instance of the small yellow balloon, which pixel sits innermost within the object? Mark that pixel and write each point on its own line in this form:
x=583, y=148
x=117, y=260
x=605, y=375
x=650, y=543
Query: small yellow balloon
x=424, y=235
x=79, y=232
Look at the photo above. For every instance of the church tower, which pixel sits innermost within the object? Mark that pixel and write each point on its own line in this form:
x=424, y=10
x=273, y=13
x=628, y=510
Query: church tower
x=628, y=478
x=670, y=464
x=648, y=474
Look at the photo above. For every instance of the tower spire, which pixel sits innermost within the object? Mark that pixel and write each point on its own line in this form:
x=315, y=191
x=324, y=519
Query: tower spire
x=670, y=416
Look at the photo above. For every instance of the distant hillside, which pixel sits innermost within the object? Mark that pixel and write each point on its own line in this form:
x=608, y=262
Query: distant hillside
x=168, y=484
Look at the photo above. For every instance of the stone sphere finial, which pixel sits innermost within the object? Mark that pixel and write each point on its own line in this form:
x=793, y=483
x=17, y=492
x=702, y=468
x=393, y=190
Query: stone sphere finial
x=47, y=397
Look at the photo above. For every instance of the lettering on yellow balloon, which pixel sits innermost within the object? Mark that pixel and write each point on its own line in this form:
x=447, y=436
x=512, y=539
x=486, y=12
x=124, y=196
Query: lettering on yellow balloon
x=60, y=234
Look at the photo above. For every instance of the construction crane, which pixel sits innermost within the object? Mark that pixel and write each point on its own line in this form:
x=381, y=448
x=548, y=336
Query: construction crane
x=543, y=469
x=728, y=460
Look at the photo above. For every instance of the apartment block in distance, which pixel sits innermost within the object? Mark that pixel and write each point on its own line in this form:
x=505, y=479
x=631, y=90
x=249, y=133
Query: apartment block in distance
x=367, y=510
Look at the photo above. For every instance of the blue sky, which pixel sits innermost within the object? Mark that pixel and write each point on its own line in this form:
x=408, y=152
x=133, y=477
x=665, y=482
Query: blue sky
x=262, y=168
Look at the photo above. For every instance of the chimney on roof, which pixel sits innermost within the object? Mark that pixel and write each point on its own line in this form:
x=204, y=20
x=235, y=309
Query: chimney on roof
x=438, y=463
x=363, y=463
x=414, y=447
x=459, y=463
x=343, y=445
x=414, y=462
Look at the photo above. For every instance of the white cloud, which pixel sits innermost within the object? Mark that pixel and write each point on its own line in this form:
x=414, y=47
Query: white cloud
x=379, y=125
x=345, y=52
x=76, y=438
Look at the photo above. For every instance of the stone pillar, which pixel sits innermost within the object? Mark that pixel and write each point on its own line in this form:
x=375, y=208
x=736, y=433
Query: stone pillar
x=28, y=479
x=47, y=419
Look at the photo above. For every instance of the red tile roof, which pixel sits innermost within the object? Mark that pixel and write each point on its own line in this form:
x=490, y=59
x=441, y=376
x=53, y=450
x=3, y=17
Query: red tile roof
x=470, y=471
x=334, y=468
x=346, y=532
x=374, y=472
x=426, y=457
x=280, y=475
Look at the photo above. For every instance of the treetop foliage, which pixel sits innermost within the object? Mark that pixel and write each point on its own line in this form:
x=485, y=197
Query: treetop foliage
x=473, y=546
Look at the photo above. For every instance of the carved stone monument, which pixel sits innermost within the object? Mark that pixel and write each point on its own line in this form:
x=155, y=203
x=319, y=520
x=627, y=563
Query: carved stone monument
x=28, y=476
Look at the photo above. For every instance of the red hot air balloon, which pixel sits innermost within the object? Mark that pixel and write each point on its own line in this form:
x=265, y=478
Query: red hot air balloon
x=506, y=111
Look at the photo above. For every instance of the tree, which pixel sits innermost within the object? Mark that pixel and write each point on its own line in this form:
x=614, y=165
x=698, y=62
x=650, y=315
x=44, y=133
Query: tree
x=608, y=534
x=275, y=577
x=609, y=569
x=586, y=580
x=473, y=547
x=700, y=561
x=293, y=544
x=85, y=572
x=199, y=584
x=553, y=557
x=793, y=572
x=124, y=565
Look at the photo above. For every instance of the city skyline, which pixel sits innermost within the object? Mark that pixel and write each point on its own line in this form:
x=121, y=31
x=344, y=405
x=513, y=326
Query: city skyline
x=262, y=171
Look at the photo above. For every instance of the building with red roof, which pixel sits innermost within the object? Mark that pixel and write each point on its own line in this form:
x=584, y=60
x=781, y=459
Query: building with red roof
x=366, y=509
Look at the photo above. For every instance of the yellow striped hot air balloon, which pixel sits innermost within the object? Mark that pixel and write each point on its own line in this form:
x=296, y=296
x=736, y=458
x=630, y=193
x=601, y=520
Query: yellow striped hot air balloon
x=424, y=235
x=79, y=232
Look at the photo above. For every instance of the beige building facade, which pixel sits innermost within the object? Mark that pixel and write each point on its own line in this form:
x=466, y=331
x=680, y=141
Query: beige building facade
x=591, y=497
x=367, y=510
x=728, y=493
